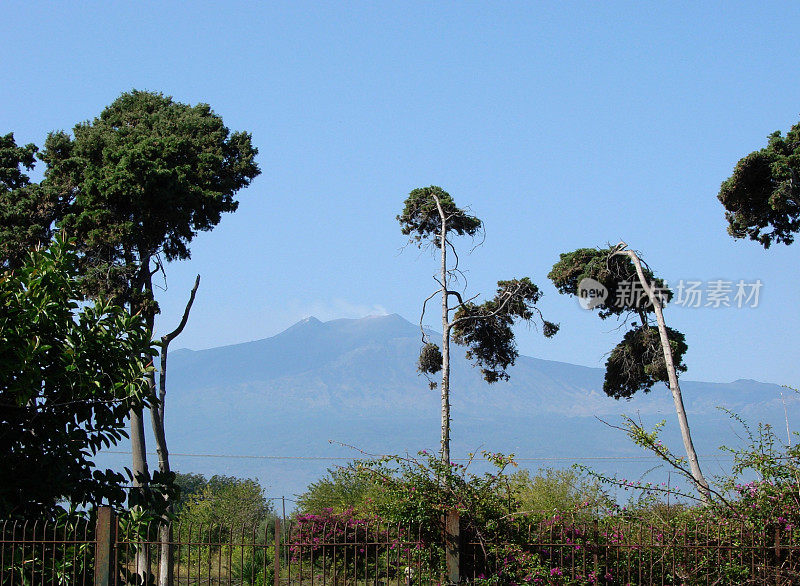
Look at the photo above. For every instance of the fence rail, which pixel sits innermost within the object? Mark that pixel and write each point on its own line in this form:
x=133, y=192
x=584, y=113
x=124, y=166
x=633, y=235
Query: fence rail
x=358, y=552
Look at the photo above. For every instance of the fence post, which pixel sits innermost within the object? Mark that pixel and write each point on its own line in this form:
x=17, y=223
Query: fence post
x=104, y=547
x=276, y=564
x=452, y=549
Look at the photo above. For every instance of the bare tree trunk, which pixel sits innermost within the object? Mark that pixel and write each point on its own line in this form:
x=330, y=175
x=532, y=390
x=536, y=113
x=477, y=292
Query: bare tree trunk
x=165, y=577
x=445, y=443
x=683, y=422
x=166, y=552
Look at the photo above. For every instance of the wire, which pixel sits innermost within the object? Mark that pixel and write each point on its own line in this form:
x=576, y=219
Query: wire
x=331, y=458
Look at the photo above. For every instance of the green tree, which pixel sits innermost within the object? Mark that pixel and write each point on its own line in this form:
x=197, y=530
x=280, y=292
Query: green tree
x=69, y=374
x=140, y=181
x=341, y=489
x=555, y=490
x=762, y=196
x=227, y=502
x=189, y=485
x=431, y=218
x=647, y=354
x=137, y=184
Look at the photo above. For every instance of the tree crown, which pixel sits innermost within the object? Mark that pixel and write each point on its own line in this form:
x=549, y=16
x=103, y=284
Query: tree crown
x=637, y=362
x=609, y=270
x=144, y=178
x=422, y=222
x=762, y=196
x=26, y=215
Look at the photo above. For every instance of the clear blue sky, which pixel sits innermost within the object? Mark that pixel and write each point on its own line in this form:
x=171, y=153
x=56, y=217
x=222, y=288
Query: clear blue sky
x=561, y=125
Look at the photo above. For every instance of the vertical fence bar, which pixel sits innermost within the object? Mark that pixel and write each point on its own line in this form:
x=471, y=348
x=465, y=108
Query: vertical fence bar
x=596, y=549
x=277, y=553
x=333, y=554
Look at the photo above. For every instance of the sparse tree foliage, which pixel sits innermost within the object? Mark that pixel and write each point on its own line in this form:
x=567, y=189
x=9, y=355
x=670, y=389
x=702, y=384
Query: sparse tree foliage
x=762, y=196
x=430, y=217
x=647, y=354
x=637, y=362
x=421, y=219
x=485, y=329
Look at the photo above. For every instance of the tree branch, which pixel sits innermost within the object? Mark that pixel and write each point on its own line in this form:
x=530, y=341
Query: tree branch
x=422, y=315
x=508, y=296
x=165, y=340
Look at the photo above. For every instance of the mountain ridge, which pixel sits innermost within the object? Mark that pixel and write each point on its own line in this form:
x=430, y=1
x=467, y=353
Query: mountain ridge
x=354, y=381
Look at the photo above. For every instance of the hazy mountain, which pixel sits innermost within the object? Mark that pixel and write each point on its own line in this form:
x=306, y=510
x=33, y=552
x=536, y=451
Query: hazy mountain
x=355, y=382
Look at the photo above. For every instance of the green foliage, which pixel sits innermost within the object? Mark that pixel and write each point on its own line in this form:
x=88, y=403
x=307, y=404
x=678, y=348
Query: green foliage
x=430, y=359
x=761, y=196
x=765, y=477
x=608, y=270
x=227, y=501
x=421, y=491
x=63, y=553
x=422, y=222
x=142, y=180
x=69, y=374
x=579, y=537
x=485, y=329
x=556, y=491
x=189, y=486
x=254, y=566
x=342, y=489
x=26, y=215
x=637, y=362
x=407, y=490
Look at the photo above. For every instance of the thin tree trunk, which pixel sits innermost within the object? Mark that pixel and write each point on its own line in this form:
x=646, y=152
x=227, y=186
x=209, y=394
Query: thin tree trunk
x=445, y=443
x=166, y=550
x=165, y=527
x=141, y=474
x=683, y=422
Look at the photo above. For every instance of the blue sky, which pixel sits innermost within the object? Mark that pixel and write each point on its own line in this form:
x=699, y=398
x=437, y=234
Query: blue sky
x=561, y=125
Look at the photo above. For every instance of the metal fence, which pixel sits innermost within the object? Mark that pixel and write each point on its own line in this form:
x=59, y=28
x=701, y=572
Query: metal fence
x=49, y=552
x=635, y=551
x=354, y=553
x=113, y=552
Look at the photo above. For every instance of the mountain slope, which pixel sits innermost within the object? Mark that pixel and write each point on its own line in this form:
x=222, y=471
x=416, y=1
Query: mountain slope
x=354, y=382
